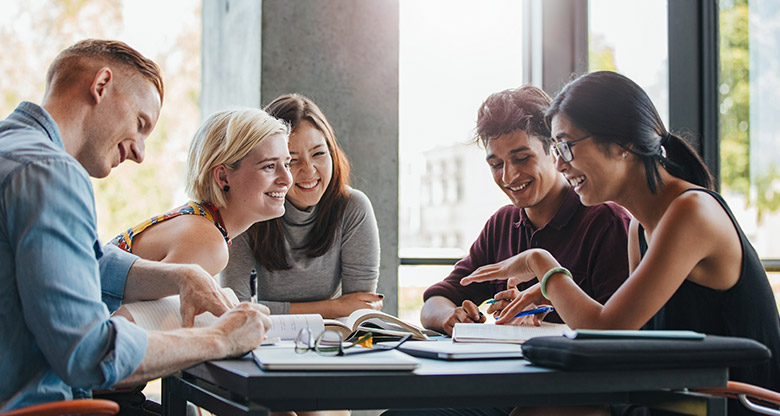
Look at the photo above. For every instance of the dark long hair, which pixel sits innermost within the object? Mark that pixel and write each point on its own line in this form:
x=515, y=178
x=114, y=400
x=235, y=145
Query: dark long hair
x=267, y=236
x=614, y=109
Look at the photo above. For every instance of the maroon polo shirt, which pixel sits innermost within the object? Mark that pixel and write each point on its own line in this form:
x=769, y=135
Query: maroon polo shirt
x=589, y=241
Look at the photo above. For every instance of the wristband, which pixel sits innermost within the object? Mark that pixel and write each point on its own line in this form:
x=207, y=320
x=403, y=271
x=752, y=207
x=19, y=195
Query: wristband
x=551, y=272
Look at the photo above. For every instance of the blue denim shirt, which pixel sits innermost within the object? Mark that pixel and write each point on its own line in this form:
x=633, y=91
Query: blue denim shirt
x=57, y=339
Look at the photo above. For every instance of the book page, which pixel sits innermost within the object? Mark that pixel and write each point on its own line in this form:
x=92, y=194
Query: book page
x=465, y=332
x=163, y=315
x=380, y=319
x=356, y=317
x=387, y=324
x=288, y=326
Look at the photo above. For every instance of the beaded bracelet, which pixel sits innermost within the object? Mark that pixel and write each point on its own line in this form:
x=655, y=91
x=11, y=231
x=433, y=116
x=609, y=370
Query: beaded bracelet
x=551, y=272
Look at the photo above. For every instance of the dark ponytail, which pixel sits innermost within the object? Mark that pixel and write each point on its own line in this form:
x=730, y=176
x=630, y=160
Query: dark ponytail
x=682, y=161
x=614, y=109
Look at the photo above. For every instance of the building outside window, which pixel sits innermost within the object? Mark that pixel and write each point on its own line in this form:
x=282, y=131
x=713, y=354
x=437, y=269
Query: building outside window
x=453, y=54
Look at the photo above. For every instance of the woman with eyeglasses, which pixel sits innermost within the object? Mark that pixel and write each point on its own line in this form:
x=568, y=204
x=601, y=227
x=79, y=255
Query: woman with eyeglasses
x=322, y=256
x=691, y=265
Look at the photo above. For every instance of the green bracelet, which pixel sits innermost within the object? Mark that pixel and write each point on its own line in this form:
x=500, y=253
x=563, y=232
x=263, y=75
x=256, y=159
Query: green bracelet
x=551, y=272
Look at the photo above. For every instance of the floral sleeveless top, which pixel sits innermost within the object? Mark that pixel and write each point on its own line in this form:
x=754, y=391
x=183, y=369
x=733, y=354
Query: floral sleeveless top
x=204, y=209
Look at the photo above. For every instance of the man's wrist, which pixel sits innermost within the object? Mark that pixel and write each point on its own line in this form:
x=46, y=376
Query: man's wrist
x=219, y=342
x=180, y=274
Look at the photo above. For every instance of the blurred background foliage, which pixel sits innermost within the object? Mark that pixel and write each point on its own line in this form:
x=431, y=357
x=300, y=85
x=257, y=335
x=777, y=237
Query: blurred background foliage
x=760, y=186
x=734, y=91
x=35, y=31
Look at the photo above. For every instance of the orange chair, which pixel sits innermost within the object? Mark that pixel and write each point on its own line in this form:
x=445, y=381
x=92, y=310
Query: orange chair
x=757, y=399
x=84, y=407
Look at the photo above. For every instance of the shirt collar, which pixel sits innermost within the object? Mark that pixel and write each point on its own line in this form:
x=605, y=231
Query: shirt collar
x=565, y=212
x=38, y=118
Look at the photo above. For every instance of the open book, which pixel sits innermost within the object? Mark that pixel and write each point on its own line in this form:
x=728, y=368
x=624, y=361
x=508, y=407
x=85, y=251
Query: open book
x=163, y=315
x=514, y=334
x=377, y=322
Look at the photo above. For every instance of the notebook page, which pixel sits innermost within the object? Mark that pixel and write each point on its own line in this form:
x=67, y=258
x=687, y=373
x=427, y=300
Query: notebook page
x=164, y=315
x=465, y=332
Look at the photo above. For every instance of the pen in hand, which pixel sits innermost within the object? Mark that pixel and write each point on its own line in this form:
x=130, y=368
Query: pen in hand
x=541, y=309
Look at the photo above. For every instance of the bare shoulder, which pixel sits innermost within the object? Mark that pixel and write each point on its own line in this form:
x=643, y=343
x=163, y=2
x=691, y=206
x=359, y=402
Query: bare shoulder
x=696, y=209
x=692, y=221
x=190, y=239
x=701, y=225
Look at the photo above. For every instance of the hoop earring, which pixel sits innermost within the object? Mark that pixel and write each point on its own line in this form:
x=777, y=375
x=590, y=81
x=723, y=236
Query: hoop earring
x=226, y=188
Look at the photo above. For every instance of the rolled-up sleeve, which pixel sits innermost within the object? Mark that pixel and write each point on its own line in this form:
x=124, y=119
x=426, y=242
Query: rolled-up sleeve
x=56, y=253
x=115, y=264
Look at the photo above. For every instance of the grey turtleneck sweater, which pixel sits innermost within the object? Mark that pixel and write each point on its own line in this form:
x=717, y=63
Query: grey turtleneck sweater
x=350, y=265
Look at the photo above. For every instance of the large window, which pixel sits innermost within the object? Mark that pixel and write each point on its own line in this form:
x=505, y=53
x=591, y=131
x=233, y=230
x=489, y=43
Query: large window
x=453, y=54
x=615, y=43
x=750, y=129
x=749, y=90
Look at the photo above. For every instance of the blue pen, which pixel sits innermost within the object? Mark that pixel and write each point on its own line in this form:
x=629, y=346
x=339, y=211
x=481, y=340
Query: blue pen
x=541, y=309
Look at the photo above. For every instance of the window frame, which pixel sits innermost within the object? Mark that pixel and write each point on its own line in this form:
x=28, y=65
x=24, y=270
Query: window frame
x=694, y=70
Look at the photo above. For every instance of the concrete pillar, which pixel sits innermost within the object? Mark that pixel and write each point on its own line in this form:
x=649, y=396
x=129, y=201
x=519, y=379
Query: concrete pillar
x=230, y=53
x=341, y=53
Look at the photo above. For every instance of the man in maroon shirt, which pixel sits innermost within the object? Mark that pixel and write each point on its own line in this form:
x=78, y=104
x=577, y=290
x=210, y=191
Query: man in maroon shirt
x=590, y=241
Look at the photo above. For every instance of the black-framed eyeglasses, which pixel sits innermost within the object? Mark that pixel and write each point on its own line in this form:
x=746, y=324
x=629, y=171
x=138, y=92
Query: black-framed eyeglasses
x=563, y=148
x=331, y=343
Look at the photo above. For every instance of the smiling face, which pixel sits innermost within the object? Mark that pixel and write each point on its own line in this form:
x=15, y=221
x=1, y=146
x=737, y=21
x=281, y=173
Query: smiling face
x=259, y=184
x=311, y=166
x=116, y=129
x=595, y=171
x=521, y=168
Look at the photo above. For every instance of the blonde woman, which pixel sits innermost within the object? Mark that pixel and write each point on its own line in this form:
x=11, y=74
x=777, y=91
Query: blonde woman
x=322, y=256
x=237, y=174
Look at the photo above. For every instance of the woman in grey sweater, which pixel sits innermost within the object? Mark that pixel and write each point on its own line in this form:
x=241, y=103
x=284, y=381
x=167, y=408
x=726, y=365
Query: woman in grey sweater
x=322, y=256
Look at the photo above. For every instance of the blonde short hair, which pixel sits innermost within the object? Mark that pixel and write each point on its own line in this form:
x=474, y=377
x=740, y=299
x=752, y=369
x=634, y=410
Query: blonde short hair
x=225, y=138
